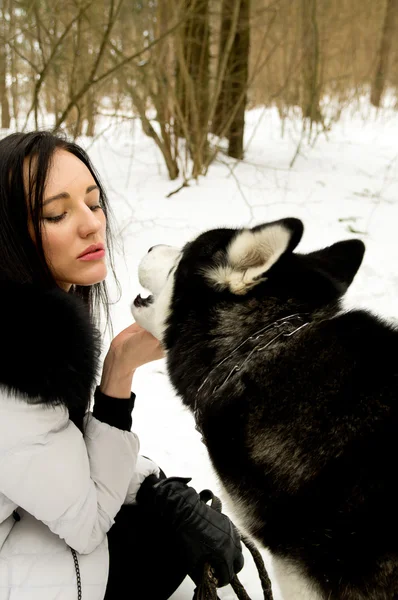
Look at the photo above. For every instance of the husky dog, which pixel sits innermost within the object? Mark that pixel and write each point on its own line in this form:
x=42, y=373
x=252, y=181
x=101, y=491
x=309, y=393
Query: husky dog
x=297, y=400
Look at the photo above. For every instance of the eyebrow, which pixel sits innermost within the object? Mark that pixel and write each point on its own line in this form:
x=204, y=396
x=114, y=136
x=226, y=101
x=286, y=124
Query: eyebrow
x=65, y=195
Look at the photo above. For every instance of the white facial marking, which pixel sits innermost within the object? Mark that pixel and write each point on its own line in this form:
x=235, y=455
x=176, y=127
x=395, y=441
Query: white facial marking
x=154, y=273
x=154, y=268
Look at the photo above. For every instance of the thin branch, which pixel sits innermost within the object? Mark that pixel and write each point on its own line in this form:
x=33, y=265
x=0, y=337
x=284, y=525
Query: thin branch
x=111, y=22
x=29, y=62
x=111, y=71
x=183, y=185
x=54, y=50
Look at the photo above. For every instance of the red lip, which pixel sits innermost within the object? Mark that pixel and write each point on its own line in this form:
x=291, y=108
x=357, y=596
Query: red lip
x=91, y=249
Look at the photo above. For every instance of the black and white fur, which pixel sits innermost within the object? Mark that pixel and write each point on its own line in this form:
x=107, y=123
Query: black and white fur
x=304, y=436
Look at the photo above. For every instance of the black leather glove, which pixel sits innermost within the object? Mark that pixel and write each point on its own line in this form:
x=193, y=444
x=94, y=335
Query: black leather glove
x=205, y=535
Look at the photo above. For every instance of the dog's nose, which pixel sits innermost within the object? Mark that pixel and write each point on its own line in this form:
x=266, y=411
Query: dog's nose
x=152, y=247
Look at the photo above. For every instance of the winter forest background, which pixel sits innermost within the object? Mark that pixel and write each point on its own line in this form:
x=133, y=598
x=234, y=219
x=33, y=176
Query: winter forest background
x=206, y=113
x=188, y=69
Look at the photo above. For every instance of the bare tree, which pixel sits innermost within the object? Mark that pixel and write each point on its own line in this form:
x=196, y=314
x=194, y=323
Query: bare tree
x=228, y=29
x=189, y=68
x=192, y=85
x=387, y=36
x=311, y=86
x=239, y=74
x=233, y=74
x=4, y=101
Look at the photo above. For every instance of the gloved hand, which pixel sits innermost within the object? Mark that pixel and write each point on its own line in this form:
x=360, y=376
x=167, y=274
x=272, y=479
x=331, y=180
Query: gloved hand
x=205, y=535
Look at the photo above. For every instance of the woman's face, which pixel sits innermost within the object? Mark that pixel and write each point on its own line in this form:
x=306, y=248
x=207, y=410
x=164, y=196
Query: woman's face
x=73, y=222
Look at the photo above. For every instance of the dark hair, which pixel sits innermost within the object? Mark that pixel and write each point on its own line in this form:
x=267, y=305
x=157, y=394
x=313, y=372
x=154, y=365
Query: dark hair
x=21, y=259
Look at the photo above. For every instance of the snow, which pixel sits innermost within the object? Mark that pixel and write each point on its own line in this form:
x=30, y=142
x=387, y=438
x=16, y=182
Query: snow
x=345, y=181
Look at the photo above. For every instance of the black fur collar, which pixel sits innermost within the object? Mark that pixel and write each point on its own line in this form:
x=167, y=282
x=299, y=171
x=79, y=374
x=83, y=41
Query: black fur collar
x=49, y=349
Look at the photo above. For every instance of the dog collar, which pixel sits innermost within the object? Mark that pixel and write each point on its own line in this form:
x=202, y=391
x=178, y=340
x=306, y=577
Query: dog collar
x=284, y=327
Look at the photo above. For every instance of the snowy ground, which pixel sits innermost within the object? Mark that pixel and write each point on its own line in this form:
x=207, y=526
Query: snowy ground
x=344, y=183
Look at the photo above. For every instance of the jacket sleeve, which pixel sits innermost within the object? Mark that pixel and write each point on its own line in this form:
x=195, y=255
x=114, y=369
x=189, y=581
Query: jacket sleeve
x=145, y=467
x=117, y=412
x=114, y=411
x=74, y=485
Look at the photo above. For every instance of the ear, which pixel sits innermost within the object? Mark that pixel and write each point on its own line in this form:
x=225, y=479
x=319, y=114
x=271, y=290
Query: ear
x=251, y=254
x=340, y=262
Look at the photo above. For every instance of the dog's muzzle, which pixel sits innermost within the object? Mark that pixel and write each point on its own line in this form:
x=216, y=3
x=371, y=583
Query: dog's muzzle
x=153, y=271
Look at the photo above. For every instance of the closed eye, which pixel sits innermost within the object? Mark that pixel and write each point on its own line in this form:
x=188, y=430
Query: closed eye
x=59, y=218
x=54, y=219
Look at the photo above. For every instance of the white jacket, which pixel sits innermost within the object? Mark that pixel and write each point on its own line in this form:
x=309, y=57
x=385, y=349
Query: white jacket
x=67, y=488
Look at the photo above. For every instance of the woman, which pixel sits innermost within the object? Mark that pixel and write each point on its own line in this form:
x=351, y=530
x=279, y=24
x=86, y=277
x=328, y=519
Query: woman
x=69, y=476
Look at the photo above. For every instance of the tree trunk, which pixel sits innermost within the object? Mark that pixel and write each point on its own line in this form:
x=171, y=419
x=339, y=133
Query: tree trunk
x=239, y=75
x=389, y=27
x=310, y=65
x=5, y=106
x=193, y=79
x=197, y=58
x=165, y=61
x=90, y=114
x=229, y=116
x=224, y=102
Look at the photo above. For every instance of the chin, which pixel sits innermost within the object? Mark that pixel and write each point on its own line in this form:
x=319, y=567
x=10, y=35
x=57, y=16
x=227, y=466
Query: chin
x=96, y=275
x=95, y=279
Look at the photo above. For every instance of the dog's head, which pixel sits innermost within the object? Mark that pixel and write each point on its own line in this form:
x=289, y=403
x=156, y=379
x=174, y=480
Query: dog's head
x=256, y=268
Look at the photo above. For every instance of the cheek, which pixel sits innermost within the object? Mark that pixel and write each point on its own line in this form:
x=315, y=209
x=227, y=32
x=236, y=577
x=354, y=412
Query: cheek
x=54, y=245
x=103, y=223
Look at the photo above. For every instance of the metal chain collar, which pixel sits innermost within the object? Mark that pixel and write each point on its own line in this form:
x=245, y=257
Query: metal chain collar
x=282, y=328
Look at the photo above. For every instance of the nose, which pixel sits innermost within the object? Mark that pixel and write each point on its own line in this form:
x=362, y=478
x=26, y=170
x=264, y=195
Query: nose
x=90, y=222
x=152, y=247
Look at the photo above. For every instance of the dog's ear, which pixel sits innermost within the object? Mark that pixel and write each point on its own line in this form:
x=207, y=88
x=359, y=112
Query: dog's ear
x=339, y=262
x=251, y=254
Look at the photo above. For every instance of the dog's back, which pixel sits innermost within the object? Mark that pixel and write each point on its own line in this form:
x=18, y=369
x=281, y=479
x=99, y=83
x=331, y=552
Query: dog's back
x=312, y=466
x=315, y=450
